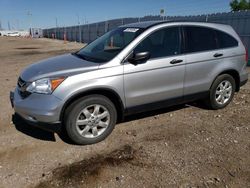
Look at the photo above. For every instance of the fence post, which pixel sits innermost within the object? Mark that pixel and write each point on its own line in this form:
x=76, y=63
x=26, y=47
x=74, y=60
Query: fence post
x=80, y=34
x=106, y=26
x=64, y=35
x=75, y=33
x=88, y=34
x=96, y=28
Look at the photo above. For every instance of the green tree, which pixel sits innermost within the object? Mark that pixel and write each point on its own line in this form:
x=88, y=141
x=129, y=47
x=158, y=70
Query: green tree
x=237, y=5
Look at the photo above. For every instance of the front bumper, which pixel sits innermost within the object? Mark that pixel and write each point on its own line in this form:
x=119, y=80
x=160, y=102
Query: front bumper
x=37, y=108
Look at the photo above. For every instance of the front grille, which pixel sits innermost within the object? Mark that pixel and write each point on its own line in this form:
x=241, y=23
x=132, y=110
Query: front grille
x=24, y=94
x=22, y=85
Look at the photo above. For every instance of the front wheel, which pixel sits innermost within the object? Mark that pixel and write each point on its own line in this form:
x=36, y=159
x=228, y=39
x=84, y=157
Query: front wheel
x=90, y=119
x=221, y=92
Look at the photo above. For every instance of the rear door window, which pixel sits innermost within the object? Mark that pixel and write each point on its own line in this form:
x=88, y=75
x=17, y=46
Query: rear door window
x=225, y=40
x=200, y=39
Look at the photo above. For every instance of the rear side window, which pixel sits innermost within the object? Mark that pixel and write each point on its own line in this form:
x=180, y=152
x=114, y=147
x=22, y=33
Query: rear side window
x=225, y=40
x=200, y=39
x=162, y=43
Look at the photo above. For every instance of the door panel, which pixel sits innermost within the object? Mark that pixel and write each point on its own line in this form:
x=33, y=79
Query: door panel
x=153, y=81
x=160, y=78
x=203, y=56
x=199, y=67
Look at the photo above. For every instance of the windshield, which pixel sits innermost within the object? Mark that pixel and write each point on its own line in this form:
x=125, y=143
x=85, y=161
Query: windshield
x=109, y=45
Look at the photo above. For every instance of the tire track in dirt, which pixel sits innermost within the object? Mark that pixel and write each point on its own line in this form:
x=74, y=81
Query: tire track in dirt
x=88, y=170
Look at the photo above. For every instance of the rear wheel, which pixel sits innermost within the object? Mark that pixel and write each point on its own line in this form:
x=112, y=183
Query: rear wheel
x=90, y=119
x=221, y=92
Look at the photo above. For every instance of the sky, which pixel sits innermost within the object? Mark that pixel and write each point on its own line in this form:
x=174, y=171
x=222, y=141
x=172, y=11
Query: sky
x=20, y=14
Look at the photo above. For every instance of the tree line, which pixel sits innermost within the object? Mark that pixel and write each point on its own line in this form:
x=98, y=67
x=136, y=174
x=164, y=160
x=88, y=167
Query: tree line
x=237, y=5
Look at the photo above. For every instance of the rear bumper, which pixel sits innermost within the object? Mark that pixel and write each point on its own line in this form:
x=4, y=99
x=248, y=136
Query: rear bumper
x=242, y=83
x=37, y=108
x=244, y=77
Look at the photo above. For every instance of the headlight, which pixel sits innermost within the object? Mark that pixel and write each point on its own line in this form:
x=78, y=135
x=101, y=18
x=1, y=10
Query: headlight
x=44, y=86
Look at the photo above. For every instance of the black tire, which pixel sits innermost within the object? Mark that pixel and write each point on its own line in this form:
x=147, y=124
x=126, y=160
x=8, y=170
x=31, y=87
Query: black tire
x=72, y=112
x=211, y=100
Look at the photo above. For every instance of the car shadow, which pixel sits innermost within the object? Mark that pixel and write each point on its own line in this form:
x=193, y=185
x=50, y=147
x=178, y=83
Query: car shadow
x=43, y=132
x=31, y=130
x=47, y=132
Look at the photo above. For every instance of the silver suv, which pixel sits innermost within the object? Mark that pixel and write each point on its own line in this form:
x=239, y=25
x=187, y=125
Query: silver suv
x=131, y=69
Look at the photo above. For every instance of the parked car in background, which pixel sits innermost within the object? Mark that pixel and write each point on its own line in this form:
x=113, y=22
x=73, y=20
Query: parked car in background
x=20, y=33
x=10, y=33
x=13, y=34
x=131, y=69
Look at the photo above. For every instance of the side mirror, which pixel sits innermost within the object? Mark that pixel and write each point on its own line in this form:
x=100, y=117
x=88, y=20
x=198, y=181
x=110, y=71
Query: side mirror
x=138, y=58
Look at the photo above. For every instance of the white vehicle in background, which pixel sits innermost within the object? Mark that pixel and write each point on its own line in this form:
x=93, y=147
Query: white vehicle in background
x=24, y=33
x=3, y=33
x=13, y=34
x=8, y=33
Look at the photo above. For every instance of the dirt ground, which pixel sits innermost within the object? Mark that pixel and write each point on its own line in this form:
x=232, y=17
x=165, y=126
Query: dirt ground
x=182, y=146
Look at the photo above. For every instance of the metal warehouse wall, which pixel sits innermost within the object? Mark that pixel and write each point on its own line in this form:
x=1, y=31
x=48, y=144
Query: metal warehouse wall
x=240, y=21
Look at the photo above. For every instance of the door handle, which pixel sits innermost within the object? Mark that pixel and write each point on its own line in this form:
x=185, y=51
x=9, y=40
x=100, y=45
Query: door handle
x=218, y=55
x=175, y=61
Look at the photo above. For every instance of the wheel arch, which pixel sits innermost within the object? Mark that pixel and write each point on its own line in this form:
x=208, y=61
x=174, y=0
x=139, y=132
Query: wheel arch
x=235, y=74
x=109, y=93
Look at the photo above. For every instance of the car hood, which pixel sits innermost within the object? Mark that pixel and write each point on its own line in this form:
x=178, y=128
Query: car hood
x=63, y=65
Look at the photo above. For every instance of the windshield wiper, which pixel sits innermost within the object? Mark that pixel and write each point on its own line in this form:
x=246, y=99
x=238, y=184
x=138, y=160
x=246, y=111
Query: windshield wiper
x=79, y=55
x=87, y=58
x=112, y=50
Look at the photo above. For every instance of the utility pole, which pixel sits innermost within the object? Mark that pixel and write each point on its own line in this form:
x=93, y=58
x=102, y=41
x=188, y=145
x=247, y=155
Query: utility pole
x=1, y=25
x=29, y=14
x=16, y=25
x=79, y=28
x=9, y=25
